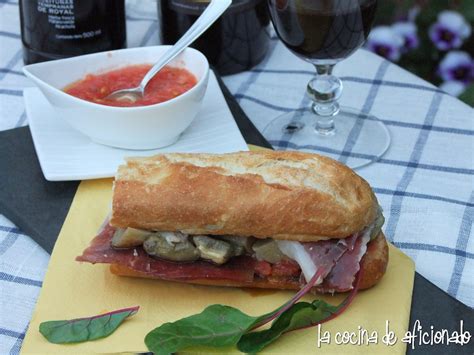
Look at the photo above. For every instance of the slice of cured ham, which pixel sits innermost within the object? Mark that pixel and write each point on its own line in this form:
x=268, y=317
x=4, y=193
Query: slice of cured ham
x=341, y=277
x=325, y=254
x=237, y=269
x=318, y=255
x=336, y=260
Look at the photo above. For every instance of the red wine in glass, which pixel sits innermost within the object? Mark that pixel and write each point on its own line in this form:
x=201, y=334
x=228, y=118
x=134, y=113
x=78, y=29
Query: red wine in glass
x=324, y=32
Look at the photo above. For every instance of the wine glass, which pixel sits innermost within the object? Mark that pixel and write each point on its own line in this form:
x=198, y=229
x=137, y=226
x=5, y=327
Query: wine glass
x=323, y=32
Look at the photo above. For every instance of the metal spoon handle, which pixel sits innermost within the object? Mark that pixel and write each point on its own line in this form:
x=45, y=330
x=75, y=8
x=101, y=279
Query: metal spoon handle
x=213, y=11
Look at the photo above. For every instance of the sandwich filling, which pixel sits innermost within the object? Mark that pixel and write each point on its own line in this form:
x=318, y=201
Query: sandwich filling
x=177, y=256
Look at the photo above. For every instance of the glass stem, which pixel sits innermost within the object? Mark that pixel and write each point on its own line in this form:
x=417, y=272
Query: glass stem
x=325, y=89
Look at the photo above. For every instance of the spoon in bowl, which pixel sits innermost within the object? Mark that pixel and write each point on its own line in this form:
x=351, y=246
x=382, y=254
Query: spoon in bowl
x=213, y=11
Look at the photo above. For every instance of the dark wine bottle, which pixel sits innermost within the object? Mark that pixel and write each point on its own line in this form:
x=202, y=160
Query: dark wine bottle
x=54, y=29
x=236, y=42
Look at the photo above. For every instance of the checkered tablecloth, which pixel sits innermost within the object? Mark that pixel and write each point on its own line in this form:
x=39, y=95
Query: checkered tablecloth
x=424, y=183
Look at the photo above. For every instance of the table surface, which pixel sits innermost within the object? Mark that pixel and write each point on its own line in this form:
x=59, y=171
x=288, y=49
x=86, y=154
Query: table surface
x=424, y=182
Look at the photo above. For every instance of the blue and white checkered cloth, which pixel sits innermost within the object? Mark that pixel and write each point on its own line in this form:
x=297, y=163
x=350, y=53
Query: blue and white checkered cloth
x=424, y=182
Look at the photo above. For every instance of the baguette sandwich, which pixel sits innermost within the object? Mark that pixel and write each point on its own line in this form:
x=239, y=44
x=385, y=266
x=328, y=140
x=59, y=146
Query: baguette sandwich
x=248, y=219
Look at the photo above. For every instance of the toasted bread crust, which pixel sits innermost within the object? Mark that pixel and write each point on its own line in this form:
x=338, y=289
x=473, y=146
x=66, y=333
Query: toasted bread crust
x=375, y=261
x=374, y=264
x=283, y=195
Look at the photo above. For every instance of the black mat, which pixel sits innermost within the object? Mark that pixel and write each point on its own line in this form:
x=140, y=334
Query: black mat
x=39, y=207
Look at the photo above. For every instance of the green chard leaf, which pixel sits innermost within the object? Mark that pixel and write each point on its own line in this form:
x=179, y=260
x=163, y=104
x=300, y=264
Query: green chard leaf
x=216, y=326
x=85, y=329
x=301, y=315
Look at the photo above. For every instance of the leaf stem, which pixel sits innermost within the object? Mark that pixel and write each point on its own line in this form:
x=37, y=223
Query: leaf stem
x=132, y=310
x=306, y=288
x=347, y=301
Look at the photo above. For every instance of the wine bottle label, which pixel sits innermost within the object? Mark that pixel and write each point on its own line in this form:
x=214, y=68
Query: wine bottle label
x=53, y=29
x=61, y=15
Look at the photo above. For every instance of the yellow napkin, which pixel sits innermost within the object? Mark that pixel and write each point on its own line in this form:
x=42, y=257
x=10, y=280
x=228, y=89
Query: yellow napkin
x=72, y=289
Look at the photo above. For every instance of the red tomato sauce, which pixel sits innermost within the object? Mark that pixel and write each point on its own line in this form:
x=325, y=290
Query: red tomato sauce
x=168, y=83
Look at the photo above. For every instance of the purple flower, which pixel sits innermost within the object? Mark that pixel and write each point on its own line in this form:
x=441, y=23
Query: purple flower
x=409, y=32
x=449, y=31
x=458, y=66
x=453, y=88
x=384, y=41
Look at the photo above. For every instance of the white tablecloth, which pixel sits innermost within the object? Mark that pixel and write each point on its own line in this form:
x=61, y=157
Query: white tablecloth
x=424, y=183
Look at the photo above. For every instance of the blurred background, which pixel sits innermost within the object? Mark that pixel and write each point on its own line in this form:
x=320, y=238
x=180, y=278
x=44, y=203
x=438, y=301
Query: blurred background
x=431, y=38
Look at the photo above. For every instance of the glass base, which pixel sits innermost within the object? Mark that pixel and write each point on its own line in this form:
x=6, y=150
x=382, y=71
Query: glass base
x=358, y=139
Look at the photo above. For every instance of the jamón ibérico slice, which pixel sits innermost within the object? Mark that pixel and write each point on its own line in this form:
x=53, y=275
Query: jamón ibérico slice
x=341, y=278
x=337, y=259
x=237, y=269
x=326, y=253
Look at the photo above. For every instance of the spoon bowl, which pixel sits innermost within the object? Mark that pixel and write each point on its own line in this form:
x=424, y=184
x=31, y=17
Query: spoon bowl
x=130, y=95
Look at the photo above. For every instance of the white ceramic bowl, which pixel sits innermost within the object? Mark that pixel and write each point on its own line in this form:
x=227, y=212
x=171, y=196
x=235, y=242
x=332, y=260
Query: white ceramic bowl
x=143, y=127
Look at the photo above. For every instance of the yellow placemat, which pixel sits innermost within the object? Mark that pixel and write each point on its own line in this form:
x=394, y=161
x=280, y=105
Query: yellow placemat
x=72, y=289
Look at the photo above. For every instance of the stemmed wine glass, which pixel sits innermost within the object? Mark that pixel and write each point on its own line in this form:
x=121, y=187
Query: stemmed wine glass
x=323, y=32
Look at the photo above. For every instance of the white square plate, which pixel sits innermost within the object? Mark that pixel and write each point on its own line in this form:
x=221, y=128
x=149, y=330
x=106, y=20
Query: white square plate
x=65, y=154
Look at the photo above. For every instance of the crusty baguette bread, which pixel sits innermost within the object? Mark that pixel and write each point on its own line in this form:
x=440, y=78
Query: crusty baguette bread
x=282, y=195
x=374, y=263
